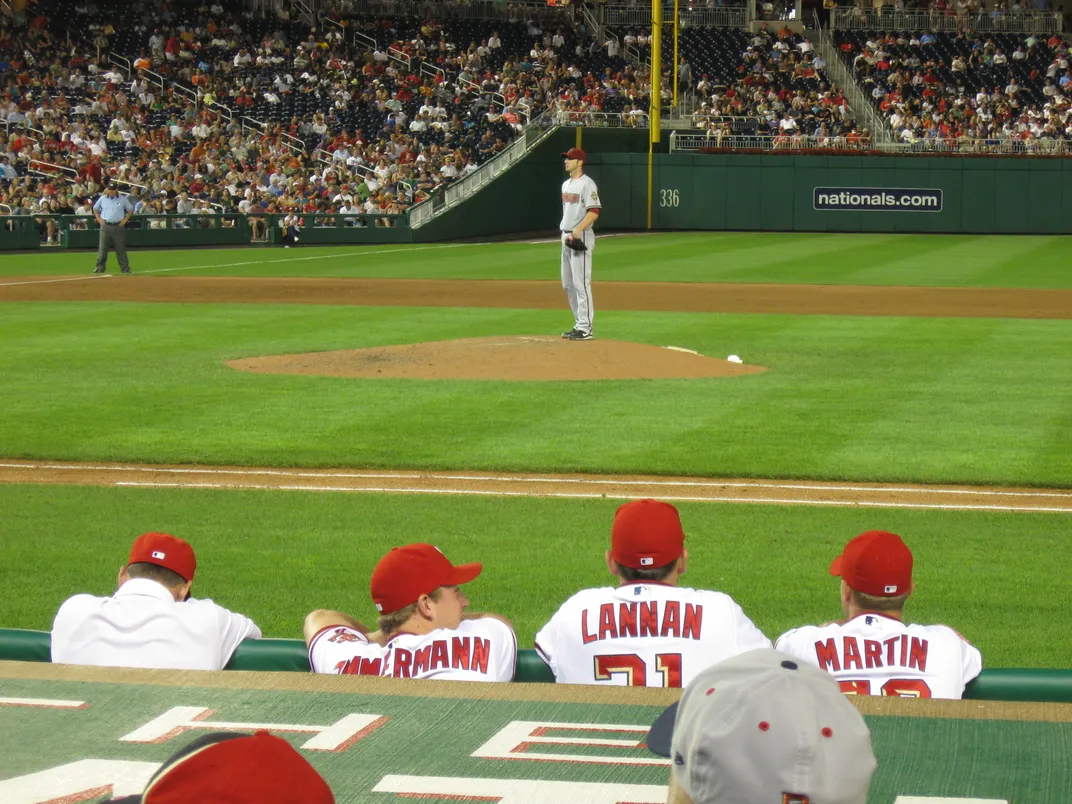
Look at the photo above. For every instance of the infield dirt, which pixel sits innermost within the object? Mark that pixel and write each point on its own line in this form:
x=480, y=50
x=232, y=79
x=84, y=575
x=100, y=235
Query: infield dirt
x=665, y=296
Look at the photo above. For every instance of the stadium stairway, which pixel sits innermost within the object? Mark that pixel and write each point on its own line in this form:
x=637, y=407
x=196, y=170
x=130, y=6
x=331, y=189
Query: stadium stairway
x=290, y=655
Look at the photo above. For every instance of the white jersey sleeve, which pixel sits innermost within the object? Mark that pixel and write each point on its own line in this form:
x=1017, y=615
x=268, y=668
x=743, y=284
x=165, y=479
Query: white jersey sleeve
x=234, y=628
x=872, y=654
x=644, y=635
x=590, y=195
x=343, y=651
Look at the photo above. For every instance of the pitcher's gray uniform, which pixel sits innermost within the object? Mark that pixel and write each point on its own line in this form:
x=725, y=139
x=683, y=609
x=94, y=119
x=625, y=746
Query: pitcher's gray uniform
x=579, y=198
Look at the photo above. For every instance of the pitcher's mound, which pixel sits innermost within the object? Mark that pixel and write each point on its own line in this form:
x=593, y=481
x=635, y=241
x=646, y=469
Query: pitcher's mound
x=512, y=357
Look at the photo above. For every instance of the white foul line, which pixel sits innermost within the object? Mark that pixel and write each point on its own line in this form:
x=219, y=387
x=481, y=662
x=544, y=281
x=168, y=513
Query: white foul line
x=597, y=495
x=92, y=277
x=549, y=480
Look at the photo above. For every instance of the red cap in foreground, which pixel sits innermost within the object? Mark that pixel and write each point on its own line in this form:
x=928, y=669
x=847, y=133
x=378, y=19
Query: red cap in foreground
x=238, y=769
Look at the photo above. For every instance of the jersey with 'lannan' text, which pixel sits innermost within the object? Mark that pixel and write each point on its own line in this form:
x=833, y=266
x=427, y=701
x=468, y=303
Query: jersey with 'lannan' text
x=644, y=635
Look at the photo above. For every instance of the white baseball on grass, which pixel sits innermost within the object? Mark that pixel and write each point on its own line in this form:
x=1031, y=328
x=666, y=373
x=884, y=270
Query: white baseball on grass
x=734, y=359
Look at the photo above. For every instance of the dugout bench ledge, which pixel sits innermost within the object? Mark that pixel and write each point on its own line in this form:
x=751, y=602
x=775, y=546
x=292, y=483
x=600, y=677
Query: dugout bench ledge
x=289, y=655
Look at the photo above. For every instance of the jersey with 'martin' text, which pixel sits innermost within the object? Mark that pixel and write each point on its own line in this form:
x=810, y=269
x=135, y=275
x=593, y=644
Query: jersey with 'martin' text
x=872, y=654
x=644, y=635
x=483, y=649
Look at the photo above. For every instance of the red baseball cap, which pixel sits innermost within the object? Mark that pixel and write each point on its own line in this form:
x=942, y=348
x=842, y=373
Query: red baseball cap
x=255, y=768
x=408, y=572
x=575, y=153
x=876, y=563
x=166, y=551
x=646, y=534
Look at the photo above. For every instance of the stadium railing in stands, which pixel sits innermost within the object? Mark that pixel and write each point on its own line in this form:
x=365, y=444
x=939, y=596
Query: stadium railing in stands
x=861, y=107
x=515, y=10
x=535, y=133
x=290, y=655
x=762, y=142
x=640, y=14
x=1035, y=22
x=564, y=117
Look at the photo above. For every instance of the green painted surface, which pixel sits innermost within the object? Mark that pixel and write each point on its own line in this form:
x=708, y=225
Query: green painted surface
x=1018, y=761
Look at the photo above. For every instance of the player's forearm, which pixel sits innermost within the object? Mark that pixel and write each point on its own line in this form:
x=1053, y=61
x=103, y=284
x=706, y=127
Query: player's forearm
x=318, y=620
x=586, y=221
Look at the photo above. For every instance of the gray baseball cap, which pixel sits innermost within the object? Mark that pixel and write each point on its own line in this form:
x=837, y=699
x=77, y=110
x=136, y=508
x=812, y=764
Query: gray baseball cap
x=764, y=728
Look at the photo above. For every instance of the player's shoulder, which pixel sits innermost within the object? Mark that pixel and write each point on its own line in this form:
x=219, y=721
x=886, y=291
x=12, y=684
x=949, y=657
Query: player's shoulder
x=940, y=630
x=203, y=605
x=593, y=596
x=77, y=604
x=483, y=626
x=341, y=635
x=804, y=633
x=709, y=597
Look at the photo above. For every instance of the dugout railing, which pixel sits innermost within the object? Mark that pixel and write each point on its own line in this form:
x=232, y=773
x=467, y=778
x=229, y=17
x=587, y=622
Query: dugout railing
x=290, y=655
x=193, y=230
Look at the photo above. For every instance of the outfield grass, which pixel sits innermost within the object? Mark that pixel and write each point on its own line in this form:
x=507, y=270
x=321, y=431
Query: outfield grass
x=885, y=398
x=825, y=259
x=905, y=399
x=275, y=556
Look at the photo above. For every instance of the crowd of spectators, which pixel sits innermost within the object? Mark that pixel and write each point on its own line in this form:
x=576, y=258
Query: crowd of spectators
x=780, y=89
x=221, y=111
x=995, y=89
x=966, y=12
x=363, y=133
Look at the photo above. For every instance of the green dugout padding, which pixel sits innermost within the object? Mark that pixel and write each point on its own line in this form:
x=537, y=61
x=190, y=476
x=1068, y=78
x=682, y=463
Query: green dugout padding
x=289, y=655
x=191, y=231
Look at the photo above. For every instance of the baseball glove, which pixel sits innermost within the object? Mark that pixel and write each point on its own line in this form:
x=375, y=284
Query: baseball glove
x=575, y=243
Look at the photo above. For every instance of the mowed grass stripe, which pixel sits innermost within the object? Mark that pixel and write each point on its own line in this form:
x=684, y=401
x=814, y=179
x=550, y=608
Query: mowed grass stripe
x=867, y=399
x=783, y=258
x=277, y=555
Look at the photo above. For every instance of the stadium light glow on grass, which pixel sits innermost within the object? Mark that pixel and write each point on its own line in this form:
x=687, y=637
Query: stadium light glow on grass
x=1017, y=261
x=870, y=399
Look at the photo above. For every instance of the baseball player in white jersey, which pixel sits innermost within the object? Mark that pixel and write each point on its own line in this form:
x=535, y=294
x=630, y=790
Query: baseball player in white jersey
x=873, y=651
x=152, y=620
x=580, y=208
x=424, y=631
x=647, y=631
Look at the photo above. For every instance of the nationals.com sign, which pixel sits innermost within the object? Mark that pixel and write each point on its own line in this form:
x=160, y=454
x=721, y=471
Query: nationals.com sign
x=874, y=199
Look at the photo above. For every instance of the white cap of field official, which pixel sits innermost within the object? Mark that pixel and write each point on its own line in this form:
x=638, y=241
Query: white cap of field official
x=763, y=728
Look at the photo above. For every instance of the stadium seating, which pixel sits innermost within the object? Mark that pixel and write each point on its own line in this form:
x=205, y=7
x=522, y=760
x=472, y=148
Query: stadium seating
x=760, y=83
x=948, y=86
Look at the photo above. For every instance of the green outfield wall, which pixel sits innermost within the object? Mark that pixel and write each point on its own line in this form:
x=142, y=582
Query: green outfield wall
x=770, y=192
x=767, y=192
